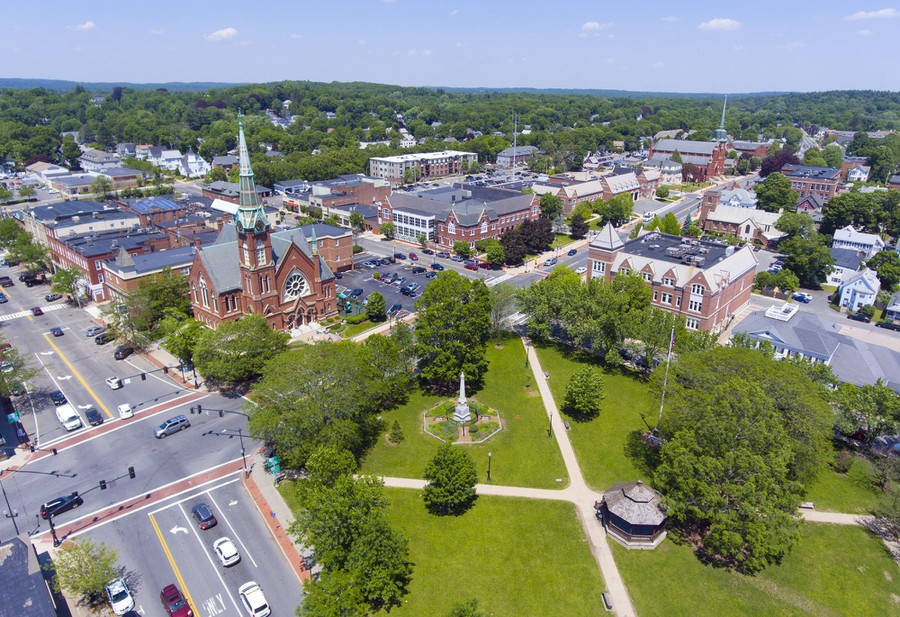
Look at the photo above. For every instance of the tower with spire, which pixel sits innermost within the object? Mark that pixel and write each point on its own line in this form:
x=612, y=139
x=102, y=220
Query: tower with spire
x=721, y=134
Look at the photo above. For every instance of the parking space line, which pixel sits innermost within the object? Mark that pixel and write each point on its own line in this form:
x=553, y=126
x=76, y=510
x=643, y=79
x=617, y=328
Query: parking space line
x=77, y=375
x=230, y=526
x=211, y=562
x=178, y=577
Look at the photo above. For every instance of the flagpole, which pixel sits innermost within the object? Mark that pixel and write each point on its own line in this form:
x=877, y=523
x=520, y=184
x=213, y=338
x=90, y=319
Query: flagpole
x=662, y=399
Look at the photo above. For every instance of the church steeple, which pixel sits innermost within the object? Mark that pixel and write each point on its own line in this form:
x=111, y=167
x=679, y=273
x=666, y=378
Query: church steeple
x=721, y=133
x=250, y=214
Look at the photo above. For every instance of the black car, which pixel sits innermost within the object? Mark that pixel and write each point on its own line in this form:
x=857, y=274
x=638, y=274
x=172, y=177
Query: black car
x=430, y=275
x=356, y=293
x=386, y=261
x=5, y=281
x=94, y=417
x=444, y=255
x=418, y=270
x=3, y=299
x=399, y=256
x=888, y=325
x=395, y=308
x=56, y=331
x=57, y=506
x=204, y=516
x=427, y=251
x=572, y=252
x=36, y=310
x=58, y=398
x=437, y=266
x=123, y=351
x=859, y=317
x=103, y=339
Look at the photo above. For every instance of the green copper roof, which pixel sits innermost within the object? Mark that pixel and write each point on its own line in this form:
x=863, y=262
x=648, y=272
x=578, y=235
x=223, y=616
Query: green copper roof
x=250, y=214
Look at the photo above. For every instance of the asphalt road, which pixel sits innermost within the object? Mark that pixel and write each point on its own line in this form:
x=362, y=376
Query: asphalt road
x=163, y=545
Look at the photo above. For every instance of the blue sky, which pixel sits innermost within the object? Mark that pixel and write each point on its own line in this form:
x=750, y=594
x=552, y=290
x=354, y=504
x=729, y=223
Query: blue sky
x=646, y=45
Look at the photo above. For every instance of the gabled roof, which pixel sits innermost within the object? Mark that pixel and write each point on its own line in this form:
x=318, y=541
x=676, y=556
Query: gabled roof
x=685, y=146
x=24, y=591
x=866, y=278
x=848, y=259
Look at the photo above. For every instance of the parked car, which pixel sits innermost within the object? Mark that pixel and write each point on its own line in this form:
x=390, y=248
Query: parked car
x=443, y=254
x=174, y=603
x=226, y=551
x=399, y=256
x=36, y=311
x=103, y=339
x=57, y=331
x=413, y=256
x=93, y=417
x=369, y=264
x=390, y=277
x=58, y=398
x=171, y=426
x=356, y=293
x=119, y=597
x=398, y=281
x=395, y=308
x=3, y=299
x=5, y=281
x=52, y=297
x=113, y=382
x=802, y=297
x=572, y=252
x=427, y=252
x=471, y=267
x=123, y=351
x=204, y=516
x=431, y=275
x=456, y=258
x=94, y=331
x=253, y=600
x=418, y=269
x=437, y=266
x=859, y=317
x=888, y=325
x=57, y=506
x=550, y=262
x=125, y=410
x=580, y=270
x=68, y=417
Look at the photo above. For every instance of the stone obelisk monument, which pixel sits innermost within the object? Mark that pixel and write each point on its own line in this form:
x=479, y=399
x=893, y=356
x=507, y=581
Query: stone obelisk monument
x=461, y=413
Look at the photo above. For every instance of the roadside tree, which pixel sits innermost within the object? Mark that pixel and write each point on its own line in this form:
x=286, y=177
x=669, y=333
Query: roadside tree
x=451, y=480
x=376, y=307
x=66, y=281
x=84, y=567
x=238, y=350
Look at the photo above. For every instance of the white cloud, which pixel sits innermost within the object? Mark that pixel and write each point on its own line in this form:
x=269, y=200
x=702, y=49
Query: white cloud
x=157, y=31
x=222, y=34
x=879, y=14
x=459, y=43
x=426, y=52
x=88, y=25
x=389, y=1
x=864, y=32
x=593, y=28
x=793, y=45
x=296, y=36
x=657, y=65
x=454, y=12
x=361, y=42
x=720, y=23
x=412, y=53
x=671, y=19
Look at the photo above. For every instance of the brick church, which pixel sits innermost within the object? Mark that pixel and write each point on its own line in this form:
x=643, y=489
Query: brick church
x=251, y=270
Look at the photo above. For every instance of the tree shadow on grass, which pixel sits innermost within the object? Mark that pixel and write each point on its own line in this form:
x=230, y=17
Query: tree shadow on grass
x=642, y=455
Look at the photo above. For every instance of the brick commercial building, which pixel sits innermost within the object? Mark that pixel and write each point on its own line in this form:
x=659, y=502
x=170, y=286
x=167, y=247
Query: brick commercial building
x=708, y=156
x=579, y=187
x=250, y=270
x=426, y=164
x=704, y=282
x=750, y=148
x=458, y=214
x=152, y=210
x=230, y=191
x=746, y=224
x=346, y=190
x=813, y=180
x=334, y=244
x=123, y=274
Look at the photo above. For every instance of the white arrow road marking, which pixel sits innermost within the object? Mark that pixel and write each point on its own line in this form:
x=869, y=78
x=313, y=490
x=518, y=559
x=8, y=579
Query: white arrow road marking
x=63, y=377
x=233, y=502
x=176, y=530
x=47, y=353
x=84, y=407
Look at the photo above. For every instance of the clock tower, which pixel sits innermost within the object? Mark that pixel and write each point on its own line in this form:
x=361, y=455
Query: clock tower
x=257, y=265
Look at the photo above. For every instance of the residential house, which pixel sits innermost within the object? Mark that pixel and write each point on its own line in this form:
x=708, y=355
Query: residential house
x=859, y=290
x=804, y=334
x=166, y=159
x=290, y=187
x=192, y=165
x=746, y=224
x=226, y=162
x=846, y=264
x=669, y=170
x=513, y=156
x=708, y=156
x=142, y=151
x=705, y=282
x=894, y=182
x=812, y=206
x=813, y=180
x=892, y=311
x=426, y=164
x=125, y=150
x=858, y=173
x=97, y=160
x=732, y=195
x=849, y=238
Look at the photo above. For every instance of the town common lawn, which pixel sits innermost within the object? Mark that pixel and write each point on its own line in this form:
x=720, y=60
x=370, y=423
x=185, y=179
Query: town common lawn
x=851, y=492
x=832, y=571
x=603, y=445
x=516, y=556
x=523, y=455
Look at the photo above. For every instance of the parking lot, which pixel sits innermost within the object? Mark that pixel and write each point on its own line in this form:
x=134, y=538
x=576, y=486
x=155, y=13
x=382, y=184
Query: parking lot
x=165, y=545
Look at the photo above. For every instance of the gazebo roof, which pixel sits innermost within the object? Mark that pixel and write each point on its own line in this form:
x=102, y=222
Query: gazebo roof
x=635, y=503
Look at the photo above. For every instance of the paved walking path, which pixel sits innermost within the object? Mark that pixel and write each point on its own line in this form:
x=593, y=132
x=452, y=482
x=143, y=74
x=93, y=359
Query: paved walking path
x=836, y=518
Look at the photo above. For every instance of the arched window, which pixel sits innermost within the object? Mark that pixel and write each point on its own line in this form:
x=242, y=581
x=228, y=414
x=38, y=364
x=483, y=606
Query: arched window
x=246, y=253
x=204, y=292
x=260, y=255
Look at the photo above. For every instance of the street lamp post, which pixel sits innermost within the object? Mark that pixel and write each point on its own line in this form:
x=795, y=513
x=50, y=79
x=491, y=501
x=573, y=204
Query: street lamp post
x=489, y=466
x=240, y=433
x=10, y=513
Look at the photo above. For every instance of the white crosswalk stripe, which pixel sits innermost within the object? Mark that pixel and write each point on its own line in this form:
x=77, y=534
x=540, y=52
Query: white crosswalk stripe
x=46, y=309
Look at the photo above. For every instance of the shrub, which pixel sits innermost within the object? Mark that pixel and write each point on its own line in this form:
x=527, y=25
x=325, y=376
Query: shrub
x=396, y=434
x=357, y=249
x=355, y=319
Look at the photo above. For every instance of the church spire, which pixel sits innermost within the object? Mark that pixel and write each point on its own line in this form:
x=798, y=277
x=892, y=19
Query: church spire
x=250, y=215
x=721, y=133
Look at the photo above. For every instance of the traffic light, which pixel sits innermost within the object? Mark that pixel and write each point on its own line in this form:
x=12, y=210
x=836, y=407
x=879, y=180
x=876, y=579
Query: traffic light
x=131, y=473
x=31, y=447
x=102, y=485
x=221, y=413
x=192, y=410
x=53, y=450
x=199, y=408
x=166, y=370
x=143, y=376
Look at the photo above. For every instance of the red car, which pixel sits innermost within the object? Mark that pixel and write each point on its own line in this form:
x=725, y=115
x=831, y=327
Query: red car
x=174, y=602
x=471, y=267
x=413, y=256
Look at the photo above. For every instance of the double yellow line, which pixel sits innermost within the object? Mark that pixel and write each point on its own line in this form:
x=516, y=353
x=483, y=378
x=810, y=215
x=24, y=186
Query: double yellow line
x=77, y=375
x=172, y=563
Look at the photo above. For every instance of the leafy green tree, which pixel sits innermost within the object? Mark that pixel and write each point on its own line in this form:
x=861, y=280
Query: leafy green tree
x=237, y=350
x=335, y=594
x=388, y=230
x=496, y=256
x=669, y=225
x=537, y=235
x=10, y=232
x=357, y=222
x=452, y=331
x=84, y=567
x=814, y=156
x=808, y=257
x=795, y=224
x=66, y=281
x=388, y=363
x=181, y=337
x=16, y=371
x=872, y=409
x=70, y=152
x=5, y=194
x=469, y=608
x=584, y=394
x=775, y=193
x=32, y=255
x=26, y=190
x=101, y=186
x=379, y=562
x=886, y=264
x=676, y=156
x=503, y=303
x=742, y=432
x=451, y=480
x=462, y=248
x=551, y=206
x=662, y=191
x=579, y=228
x=156, y=295
x=833, y=155
x=743, y=166
x=513, y=245
x=376, y=307
x=216, y=174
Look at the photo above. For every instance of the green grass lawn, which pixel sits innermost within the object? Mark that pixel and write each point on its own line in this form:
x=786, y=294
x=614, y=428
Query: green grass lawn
x=602, y=444
x=518, y=557
x=561, y=240
x=523, y=455
x=354, y=329
x=832, y=571
x=851, y=492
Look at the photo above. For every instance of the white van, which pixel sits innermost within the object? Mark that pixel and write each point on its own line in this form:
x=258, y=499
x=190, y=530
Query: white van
x=68, y=417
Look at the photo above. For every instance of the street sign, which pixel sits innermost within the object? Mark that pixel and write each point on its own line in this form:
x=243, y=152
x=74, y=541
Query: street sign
x=13, y=417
